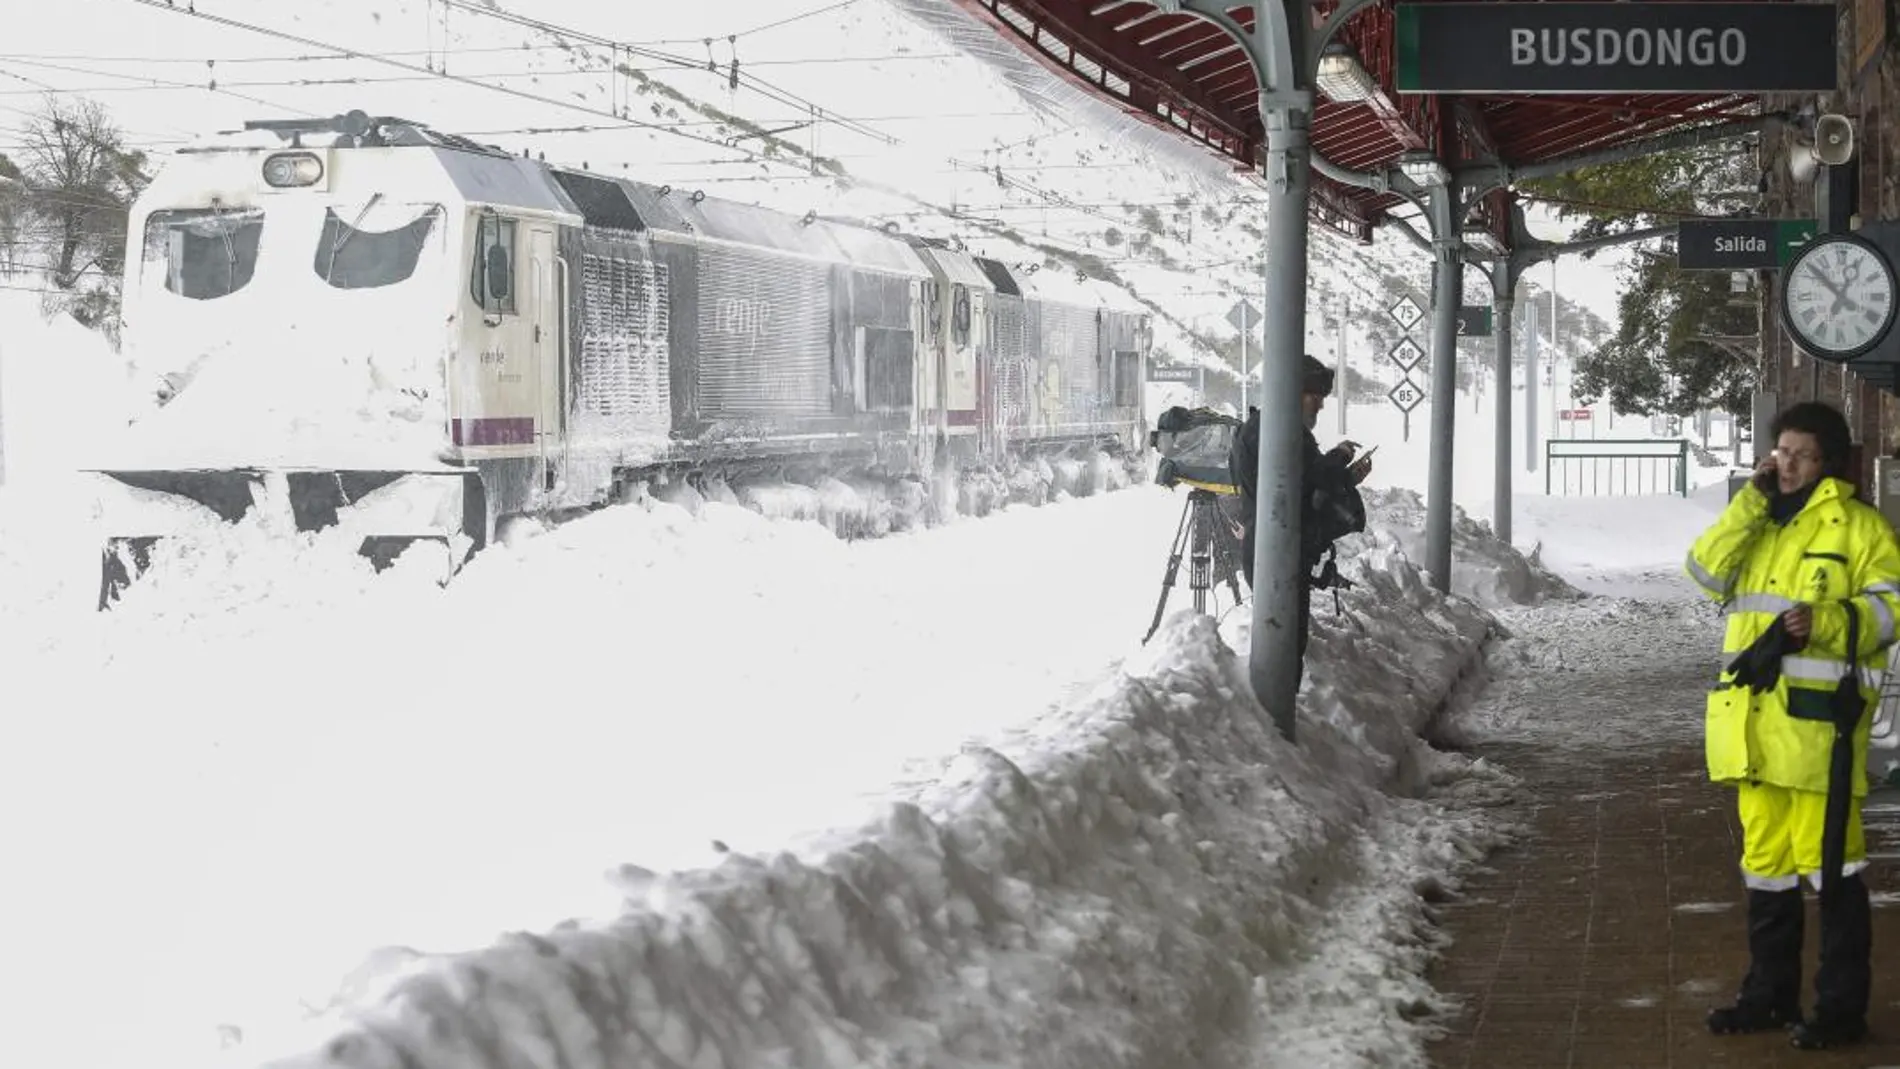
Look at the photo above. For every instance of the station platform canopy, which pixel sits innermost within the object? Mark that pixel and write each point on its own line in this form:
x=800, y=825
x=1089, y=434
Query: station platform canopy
x=1183, y=74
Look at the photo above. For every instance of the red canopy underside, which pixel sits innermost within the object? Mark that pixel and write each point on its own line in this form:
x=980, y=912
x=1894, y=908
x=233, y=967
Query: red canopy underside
x=1186, y=75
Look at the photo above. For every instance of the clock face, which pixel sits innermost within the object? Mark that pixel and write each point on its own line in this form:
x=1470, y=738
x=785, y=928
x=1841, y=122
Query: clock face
x=1838, y=297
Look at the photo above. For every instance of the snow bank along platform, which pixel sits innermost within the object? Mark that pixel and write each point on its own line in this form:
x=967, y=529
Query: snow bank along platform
x=1147, y=877
x=1603, y=936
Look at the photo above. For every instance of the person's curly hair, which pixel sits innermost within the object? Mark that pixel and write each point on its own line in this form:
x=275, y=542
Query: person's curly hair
x=1829, y=428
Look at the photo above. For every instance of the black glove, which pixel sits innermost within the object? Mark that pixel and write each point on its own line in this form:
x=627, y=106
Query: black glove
x=1759, y=666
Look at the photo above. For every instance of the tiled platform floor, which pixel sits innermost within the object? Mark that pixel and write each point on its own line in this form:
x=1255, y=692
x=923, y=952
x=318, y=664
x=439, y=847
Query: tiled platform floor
x=1603, y=939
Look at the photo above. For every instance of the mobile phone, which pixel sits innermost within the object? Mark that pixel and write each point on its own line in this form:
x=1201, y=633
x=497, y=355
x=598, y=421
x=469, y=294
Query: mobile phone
x=1367, y=455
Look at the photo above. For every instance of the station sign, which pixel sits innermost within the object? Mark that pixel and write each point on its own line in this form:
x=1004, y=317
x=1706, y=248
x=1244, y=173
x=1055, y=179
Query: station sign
x=1172, y=373
x=1474, y=321
x=1740, y=244
x=1575, y=47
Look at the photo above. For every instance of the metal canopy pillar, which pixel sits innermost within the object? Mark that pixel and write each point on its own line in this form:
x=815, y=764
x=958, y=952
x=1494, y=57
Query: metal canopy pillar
x=1504, y=305
x=1504, y=272
x=1281, y=52
x=1278, y=47
x=1448, y=263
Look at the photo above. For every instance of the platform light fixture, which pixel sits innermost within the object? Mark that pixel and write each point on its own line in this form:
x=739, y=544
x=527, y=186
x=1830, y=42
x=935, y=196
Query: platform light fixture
x=1423, y=168
x=1483, y=240
x=1341, y=78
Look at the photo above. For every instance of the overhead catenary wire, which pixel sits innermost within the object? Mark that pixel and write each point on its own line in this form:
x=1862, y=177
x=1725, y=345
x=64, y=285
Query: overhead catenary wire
x=94, y=62
x=796, y=18
x=1050, y=200
x=559, y=32
x=765, y=88
x=223, y=20
x=149, y=83
x=562, y=32
x=755, y=29
x=757, y=84
x=64, y=62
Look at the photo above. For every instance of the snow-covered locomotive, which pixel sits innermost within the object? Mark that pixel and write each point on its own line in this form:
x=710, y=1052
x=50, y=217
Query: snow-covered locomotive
x=365, y=323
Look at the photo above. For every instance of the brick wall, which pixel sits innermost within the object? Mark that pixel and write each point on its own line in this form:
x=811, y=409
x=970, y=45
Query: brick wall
x=1873, y=413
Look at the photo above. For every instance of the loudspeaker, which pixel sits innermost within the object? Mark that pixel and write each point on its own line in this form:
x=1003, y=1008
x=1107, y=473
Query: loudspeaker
x=1833, y=139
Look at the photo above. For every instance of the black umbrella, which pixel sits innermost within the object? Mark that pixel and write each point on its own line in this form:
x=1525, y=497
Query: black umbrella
x=1848, y=707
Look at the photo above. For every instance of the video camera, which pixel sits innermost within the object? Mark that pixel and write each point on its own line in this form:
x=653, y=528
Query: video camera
x=1195, y=445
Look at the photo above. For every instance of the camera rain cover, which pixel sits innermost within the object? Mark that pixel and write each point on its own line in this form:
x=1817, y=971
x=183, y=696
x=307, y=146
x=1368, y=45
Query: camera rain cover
x=1195, y=445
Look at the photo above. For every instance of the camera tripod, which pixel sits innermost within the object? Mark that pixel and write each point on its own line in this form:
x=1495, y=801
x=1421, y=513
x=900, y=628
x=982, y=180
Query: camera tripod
x=1215, y=555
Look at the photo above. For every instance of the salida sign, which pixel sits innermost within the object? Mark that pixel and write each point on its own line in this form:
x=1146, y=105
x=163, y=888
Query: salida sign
x=1740, y=244
x=1615, y=48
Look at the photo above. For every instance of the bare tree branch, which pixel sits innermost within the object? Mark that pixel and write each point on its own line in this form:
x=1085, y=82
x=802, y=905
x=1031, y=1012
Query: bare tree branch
x=65, y=199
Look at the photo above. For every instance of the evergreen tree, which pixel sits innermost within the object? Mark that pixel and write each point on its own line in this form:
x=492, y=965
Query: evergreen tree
x=1684, y=342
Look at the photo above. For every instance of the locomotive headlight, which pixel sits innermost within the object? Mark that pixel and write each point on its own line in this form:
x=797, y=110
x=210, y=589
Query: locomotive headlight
x=288, y=169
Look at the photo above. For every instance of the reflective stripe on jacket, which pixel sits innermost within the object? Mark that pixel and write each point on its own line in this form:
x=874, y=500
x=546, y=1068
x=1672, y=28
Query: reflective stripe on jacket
x=1835, y=550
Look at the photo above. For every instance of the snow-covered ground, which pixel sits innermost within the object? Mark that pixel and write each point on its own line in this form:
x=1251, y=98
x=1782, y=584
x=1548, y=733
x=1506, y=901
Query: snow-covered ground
x=741, y=787
x=742, y=793
x=681, y=734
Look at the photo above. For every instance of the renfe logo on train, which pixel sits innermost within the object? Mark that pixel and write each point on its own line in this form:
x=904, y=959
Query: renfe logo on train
x=1611, y=48
x=743, y=317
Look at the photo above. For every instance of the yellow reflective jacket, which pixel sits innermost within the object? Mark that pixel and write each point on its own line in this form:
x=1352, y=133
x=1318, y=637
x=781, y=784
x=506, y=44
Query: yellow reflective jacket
x=1835, y=551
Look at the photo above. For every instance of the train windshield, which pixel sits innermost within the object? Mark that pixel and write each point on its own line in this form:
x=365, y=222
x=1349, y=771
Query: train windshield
x=376, y=244
x=206, y=253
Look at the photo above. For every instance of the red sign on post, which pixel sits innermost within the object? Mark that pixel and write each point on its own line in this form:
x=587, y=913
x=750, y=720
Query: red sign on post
x=1574, y=415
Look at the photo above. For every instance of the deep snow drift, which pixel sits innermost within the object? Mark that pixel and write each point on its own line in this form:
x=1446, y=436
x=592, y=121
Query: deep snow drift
x=1098, y=888
x=662, y=746
x=295, y=763
x=326, y=764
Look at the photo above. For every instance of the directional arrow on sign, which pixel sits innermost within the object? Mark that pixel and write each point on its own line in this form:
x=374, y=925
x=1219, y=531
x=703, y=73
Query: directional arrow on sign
x=1406, y=312
x=1406, y=354
x=1406, y=395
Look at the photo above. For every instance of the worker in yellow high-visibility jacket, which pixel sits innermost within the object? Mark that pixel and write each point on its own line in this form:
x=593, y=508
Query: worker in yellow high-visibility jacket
x=1795, y=546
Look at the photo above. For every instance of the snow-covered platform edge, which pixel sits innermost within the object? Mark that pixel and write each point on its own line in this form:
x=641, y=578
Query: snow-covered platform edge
x=1131, y=881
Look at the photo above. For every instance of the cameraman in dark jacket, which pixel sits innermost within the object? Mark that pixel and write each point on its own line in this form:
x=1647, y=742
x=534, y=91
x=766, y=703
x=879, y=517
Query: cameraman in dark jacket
x=1330, y=506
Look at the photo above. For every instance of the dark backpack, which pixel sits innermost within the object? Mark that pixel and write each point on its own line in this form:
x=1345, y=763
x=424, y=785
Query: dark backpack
x=1243, y=457
x=1334, y=510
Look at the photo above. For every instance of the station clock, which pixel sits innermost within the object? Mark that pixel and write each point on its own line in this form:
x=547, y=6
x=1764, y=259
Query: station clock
x=1839, y=297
